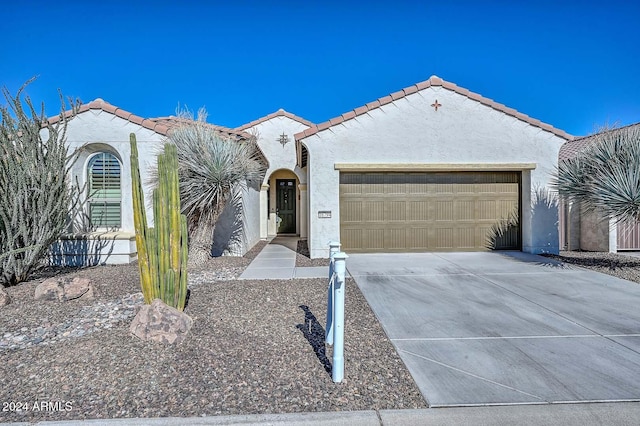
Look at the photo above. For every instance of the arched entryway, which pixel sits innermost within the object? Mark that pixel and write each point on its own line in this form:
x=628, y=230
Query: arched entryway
x=282, y=205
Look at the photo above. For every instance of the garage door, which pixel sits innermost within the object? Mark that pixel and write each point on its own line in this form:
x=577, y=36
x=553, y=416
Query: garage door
x=461, y=211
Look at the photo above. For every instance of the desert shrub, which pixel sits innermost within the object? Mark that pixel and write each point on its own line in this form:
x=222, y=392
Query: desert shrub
x=35, y=192
x=605, y=176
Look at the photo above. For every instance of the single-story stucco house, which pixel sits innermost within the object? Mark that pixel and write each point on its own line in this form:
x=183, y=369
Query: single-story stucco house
x=581, y=230
x=103, y=230
x=432, y=167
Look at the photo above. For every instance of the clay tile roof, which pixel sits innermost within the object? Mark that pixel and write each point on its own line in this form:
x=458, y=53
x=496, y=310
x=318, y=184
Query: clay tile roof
x=278, y=113
x=411, y=89
x=572, y=148
x=100, y=104
x=433, y=81
x=171, y=121
x=388, y=99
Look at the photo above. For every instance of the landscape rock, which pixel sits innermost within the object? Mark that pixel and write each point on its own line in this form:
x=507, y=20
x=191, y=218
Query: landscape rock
x=78, y=287
x=5, y=299
x=50, y=289
x=61, y=289
x=159, y=322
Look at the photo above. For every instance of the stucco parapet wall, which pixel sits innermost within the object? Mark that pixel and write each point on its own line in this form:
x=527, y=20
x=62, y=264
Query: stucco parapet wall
x=278, y=113
x=433, y=81
x=433, y=167
x=100, y=104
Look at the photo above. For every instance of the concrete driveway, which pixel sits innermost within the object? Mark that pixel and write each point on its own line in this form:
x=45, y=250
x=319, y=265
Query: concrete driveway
x=505, y=328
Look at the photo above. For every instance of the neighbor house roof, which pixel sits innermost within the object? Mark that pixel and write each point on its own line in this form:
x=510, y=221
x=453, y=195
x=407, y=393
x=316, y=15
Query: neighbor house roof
x=570, y=149
x=99, y=104
x=236, y=135
x=433, y=81
x=278, y=113
x=172, y=121
x=161, y=125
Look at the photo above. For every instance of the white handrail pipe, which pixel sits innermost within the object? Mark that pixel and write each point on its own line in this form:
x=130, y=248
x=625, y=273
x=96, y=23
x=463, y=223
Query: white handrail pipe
x=337, y=370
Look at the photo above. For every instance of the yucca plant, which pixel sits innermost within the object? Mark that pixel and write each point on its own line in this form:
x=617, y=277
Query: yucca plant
x=162, y=249
x=213, y=171
x=605, y=177
x=503, y=231
x=35, y=190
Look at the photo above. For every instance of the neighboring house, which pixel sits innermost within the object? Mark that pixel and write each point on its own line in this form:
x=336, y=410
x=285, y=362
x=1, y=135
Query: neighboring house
x=580, y=230
x=433, y=167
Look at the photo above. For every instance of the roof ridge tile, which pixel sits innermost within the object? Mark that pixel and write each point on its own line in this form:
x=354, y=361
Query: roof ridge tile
x=100, y=104
x=433, y=81
x=279, y=113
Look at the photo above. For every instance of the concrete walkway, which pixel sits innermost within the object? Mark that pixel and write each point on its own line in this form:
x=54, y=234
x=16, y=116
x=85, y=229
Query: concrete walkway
x=277, y=261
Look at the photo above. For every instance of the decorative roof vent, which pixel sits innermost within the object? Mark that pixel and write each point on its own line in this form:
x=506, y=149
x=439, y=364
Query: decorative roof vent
x=283, y=139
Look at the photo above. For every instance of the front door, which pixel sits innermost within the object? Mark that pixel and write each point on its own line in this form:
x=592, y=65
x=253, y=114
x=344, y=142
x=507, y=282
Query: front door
x=286, y=206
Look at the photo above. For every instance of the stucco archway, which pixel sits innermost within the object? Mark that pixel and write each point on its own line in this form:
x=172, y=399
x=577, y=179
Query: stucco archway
x=283, y=205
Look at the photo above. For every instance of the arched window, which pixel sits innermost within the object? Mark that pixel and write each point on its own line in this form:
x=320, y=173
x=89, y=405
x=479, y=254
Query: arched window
x=105, y=192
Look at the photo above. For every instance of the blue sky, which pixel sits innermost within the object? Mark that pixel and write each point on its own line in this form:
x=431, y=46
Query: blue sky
x=572, y=64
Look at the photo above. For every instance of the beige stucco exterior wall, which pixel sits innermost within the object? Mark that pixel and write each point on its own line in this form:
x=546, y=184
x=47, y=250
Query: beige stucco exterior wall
x=594, y=232
x=409, y=130
x=96, y=130
x=573, y=226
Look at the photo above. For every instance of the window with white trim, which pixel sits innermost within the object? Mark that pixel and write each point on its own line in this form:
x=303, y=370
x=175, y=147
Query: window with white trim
x=105, y=191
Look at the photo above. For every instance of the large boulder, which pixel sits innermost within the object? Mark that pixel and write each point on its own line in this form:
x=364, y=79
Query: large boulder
x=50, y=289
x=5, y=299
x=63, y=289
x=77, y=288
x=159, y=322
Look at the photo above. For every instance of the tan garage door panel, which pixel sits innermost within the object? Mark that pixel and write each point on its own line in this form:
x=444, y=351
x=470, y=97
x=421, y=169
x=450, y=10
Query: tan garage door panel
x=462, y=211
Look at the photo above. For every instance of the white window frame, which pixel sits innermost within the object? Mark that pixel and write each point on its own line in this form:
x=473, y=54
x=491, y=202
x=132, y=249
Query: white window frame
x=94, y=199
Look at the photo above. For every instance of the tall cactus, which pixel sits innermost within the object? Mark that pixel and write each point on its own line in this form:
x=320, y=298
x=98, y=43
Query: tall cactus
x=162, y=250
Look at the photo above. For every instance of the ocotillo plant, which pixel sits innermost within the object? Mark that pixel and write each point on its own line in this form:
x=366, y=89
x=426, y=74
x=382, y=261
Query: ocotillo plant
x=162, y=250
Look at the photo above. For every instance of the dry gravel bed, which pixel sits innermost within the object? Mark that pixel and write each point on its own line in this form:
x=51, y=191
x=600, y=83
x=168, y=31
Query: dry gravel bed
x=255, y=347
x=303, y=257
x=616, y=264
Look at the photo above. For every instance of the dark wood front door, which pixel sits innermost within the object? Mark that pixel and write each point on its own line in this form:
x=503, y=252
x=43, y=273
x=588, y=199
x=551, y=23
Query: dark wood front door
x=286, y=205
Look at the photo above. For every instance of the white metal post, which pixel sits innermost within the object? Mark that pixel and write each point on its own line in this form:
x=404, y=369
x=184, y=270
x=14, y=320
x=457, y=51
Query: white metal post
x=338, y=326
x=334, y=247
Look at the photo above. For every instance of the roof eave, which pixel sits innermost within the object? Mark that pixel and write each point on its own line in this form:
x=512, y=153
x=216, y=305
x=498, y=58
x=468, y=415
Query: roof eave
x=433, y=81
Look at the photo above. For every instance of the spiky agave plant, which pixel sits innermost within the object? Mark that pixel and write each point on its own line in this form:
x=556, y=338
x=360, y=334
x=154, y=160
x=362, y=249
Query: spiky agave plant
x=213, y=170
x=605, y=177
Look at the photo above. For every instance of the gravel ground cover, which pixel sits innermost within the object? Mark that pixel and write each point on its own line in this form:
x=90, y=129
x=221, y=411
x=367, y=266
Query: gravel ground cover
x=618, y=265
x=303, y=257
x=255, y=347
